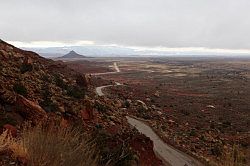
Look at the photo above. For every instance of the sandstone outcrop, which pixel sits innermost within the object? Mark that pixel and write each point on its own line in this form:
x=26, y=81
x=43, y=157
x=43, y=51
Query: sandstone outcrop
x=30, y=110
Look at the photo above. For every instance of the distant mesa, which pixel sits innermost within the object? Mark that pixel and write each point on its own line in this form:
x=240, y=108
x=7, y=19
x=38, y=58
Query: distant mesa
x=73, y=54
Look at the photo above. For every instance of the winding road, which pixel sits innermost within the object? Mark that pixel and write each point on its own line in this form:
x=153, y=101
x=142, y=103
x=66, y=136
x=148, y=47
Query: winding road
x=100, y=88
x=168, y=154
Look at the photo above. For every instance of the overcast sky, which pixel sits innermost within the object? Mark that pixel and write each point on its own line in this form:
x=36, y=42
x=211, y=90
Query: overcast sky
x=221, y=24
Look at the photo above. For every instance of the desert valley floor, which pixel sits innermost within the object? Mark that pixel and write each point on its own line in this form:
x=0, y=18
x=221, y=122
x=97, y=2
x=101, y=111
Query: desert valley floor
x=198, y=105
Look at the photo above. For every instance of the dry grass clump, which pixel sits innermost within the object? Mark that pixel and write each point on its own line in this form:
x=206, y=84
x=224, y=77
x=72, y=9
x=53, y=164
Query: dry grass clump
x=234, y=157
x=52, y=146
x=7, y=142
x=114, y=150
x=231, y=156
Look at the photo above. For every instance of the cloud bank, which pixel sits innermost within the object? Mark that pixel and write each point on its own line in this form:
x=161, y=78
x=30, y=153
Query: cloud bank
x=208, y=24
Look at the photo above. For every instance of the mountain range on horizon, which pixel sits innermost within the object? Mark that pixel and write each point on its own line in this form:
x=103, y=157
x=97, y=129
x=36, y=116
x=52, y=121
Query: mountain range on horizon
x=119, y=51
x=84, y=50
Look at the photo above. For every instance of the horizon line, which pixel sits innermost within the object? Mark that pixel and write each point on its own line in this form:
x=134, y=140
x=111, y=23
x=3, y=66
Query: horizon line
x=176, y=50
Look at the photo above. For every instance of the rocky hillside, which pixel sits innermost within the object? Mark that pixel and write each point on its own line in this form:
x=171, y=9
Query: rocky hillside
x=28, y=80
x=37, y=90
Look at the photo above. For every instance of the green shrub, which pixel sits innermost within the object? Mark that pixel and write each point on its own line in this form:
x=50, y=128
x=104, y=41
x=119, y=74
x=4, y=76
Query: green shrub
x=7, y=120
x=193, y=133
x=101, y=107
x=26, y=68
x=76, y=92
x=71, y=90
x=46, y=78
x=226, y=123
x=47, y=104
x=59, y=81
x=127, y=104
x=185, y=112
x=20, y=89
x=1, y=67
x=217, y=150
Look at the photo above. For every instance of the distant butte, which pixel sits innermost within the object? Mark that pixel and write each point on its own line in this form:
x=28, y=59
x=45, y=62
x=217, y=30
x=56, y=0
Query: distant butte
x=73, y=54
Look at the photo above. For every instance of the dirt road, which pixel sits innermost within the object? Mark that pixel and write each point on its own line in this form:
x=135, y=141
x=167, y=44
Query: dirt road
x=115, y=66
x=167, y=153
x=100, y=88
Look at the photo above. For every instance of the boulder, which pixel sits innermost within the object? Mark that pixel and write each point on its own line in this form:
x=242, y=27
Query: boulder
x=154, y=108
x=64, y=123
x=141, y=105
x=118, y=103
x=61, y=109
x=30, y=110
x=28, y=60
x=87, y=114
x=11, y=129
x=157, y=94
x=211, y=106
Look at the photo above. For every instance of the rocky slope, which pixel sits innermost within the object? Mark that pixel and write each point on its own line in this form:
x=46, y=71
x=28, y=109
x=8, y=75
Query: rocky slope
x=37, y=90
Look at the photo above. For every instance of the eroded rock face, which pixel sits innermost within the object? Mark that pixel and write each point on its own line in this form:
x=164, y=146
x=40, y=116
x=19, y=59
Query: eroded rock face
x=88, y=112
x=143, y=146
x=30, y=110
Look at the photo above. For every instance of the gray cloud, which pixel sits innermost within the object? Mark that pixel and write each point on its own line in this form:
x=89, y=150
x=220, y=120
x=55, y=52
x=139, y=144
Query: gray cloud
x=168, y=23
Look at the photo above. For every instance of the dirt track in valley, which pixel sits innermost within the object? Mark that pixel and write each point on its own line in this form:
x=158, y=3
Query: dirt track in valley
x=167, y=153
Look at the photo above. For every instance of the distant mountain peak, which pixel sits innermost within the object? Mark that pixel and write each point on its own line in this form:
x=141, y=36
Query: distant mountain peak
x=73, y=54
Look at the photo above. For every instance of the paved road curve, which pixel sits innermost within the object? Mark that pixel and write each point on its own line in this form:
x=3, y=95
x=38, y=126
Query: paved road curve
x=99, y=89
x=168, y=154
